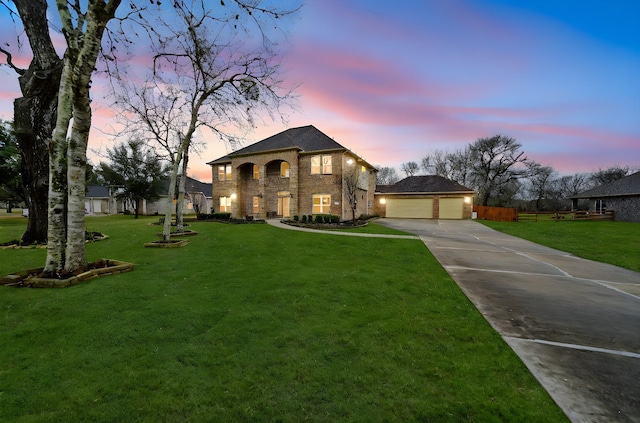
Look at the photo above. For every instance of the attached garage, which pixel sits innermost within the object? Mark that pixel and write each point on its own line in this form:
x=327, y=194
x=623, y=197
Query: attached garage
x=417, y=208
x=451, y=208
x=424, y=197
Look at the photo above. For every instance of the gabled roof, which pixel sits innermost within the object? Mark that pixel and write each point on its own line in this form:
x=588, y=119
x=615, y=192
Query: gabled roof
x=629, y=185
x=423, y=184
x=191, y=185
x=305, y=138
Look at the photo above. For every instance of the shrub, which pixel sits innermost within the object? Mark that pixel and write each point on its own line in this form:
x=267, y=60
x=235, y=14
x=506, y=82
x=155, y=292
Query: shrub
x=295, y=217
x=334, y=218
x=310, y=218
x=319, y=218
x=304, y=218
x=213, y=216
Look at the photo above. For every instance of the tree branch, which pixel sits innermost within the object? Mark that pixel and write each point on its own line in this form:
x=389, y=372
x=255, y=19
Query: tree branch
x=18, y=70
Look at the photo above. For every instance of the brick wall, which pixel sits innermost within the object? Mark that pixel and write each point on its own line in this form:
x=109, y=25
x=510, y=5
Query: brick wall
x=301, y=184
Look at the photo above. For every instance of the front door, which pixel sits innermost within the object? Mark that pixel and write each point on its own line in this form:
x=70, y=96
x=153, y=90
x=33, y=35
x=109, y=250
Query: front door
x=284, y=201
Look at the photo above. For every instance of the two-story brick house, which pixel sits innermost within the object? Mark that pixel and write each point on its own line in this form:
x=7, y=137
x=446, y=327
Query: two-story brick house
x=300, y=171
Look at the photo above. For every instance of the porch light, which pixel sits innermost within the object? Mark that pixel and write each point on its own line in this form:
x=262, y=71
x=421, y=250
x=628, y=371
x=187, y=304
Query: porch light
x=349, y=161
x=467, y=200
x=233, y=196
x=383, y=201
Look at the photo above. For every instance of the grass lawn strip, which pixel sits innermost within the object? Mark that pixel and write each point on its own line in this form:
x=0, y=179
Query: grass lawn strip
x=610, y=242
x=251, y=322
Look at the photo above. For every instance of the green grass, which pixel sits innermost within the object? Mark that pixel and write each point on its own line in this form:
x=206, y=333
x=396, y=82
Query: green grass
x=610, y=242
x=255, y=323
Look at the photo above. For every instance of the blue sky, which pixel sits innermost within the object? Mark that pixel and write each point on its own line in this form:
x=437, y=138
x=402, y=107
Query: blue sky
x=395, y=80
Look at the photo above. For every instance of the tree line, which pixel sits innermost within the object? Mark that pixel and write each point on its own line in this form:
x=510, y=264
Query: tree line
x=503, y=175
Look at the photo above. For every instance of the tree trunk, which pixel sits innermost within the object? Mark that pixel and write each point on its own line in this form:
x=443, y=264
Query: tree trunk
x=166, y=230
x=181, y=194
x=67, y=164
x=57, y=201
x=35, y=114
x=76, y=181
x=136, y=209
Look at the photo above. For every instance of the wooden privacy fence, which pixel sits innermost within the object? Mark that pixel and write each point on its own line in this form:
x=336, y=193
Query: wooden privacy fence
x=501, y=214
x=567, y=215
x=510, y=214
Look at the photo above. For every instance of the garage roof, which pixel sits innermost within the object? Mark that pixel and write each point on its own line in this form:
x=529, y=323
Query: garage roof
x=423, y=184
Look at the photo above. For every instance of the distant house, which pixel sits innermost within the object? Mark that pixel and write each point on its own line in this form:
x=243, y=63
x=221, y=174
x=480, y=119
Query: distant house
x=197, y=198
x=621, y=196
x=300, y=171
x=98, y=200
x=424, y=197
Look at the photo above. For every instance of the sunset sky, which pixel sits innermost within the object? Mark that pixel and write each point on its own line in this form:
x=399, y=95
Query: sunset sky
x=393, y=81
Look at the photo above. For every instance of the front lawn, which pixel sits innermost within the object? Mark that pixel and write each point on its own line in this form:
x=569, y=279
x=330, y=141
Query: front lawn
x=616, y=243
x=255, y=323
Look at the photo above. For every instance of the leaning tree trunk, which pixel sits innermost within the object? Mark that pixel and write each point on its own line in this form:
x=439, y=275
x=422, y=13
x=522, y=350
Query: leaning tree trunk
x=181, y=193
x=35, y=114
x=166, y=230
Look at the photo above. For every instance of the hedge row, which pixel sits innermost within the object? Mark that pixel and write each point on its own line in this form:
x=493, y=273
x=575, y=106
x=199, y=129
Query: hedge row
x=318, y=218
x=214, y=216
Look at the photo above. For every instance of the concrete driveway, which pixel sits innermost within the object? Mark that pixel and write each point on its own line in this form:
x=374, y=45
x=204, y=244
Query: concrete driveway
x=575, y=323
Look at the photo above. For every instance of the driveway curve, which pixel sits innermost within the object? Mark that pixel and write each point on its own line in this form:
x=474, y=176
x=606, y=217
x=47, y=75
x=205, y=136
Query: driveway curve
x=575, y=323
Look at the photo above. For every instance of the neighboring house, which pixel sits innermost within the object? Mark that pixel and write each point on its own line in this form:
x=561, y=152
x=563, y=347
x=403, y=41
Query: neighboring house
x=300, y=171
x=424, y=197
x=197, y=198
x=99, y=201
x=621, y=196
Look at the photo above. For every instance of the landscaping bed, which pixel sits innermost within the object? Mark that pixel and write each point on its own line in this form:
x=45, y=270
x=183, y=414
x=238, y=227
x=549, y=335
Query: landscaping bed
x=34, y=278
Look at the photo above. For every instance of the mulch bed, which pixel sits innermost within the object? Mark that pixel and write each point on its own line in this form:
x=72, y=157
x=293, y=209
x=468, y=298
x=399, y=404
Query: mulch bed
x=35, y=278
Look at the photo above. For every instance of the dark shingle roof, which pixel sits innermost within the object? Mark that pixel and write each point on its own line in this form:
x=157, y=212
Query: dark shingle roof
x=423, y=184
x=97, y=191
x=191, y=185
x=629, y=185
x=305, y=138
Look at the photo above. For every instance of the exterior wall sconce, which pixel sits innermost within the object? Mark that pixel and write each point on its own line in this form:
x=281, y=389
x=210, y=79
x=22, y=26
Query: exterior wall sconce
x=383, y=201
x=349, y=161
x=467, y=200
x=233, y=196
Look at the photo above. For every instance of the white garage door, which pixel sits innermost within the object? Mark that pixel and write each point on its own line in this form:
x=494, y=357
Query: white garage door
x=417, y=208
x=451, y=208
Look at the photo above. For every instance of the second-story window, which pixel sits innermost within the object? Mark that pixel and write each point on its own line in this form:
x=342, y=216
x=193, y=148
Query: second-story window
x=326, y=165
x=228, y=172
x=224, y=172
x=256, y=172
x=321, y=164
x=284, y=170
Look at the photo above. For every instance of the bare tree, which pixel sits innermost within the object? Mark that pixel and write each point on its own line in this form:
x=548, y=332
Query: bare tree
x=495, y=163
x=605, y=176
x=386, y=176
x=353, y=185
x=455, y=166
x=35, y=111
x=204, y=74
x=570, y=185
x=543, y=186
x=410, y=168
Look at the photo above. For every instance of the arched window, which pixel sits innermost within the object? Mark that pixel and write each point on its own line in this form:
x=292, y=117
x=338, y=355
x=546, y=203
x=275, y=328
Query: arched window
x=284, y=170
